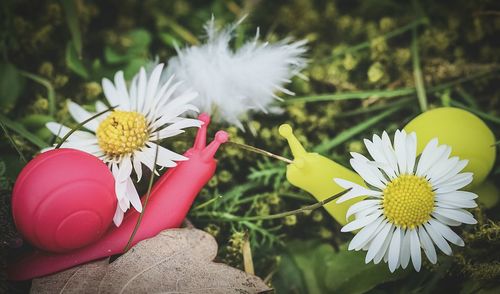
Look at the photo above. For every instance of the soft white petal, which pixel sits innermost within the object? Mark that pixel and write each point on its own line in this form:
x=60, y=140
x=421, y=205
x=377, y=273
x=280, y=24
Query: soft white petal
x=111, y=93
x=152, y=88
x=121, y=89
x=456, y=203
x=427, y=153
x=378, y=242
x=125, y=169
x=415, y=250
x=455, y=167
x=446, y=220
x=141, y=90
x=137, y=167
x=133, y=196
x=405, y=249
x=457, y=195
x=394, y=250
x=356, y=190
x=162, y=134
x=359, y=223
x=118, y=217
x=411, y=152
x=100, y=107
x=427, y=245
x=400, y=150
x=370, y=174
x=362, y=205
x=383, y=252
x=459, y=215
x=438, y=239
x=446, y=232
x=455, y=183
x=365, y=235
x=389, y=154
x=61, y=131
x=80, y=115
x=165, y=153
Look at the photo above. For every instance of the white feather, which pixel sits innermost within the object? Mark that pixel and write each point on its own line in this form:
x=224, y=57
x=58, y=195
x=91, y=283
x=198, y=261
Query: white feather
x=229, y=82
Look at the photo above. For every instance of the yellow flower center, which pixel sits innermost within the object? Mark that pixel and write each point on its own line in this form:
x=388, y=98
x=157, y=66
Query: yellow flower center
x=122, y=132
x=408, y=201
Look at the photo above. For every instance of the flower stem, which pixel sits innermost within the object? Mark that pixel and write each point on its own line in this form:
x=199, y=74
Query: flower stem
x=260, y=151
x=230, y=217
x=150, y=186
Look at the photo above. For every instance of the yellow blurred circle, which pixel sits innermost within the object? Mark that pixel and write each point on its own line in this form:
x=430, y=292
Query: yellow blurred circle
x=469, y=137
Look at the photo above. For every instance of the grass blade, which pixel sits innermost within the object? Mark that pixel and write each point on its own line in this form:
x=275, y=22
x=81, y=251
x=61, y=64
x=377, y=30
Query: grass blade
x=349, y=133
x=51, y=96
x=389, y=35
x=73, y=25
x=389, y=93
x=12, y=142
x=417, y=72
x=483, y=115
x=353, y=95
x=150, y=186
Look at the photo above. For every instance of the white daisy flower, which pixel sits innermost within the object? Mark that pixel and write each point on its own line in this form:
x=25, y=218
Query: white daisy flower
x=232, y=82
x=410, y=203
x=126, y=138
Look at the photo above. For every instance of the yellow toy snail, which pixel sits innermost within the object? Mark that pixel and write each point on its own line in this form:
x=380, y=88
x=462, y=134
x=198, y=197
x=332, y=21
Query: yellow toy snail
x=469, y=137
x=467, y=134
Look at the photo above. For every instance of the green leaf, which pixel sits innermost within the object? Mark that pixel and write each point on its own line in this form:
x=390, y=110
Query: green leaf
x=20, y=130
x=169, y=40
x=314, y=267
x=3, y=168
x=74, y=62
x=36, y=121
x=73, y=25
x=141, y=39
x=51, y=96
x=133, y=67
x=113, y=57
x=346, y=272
x=11, y=86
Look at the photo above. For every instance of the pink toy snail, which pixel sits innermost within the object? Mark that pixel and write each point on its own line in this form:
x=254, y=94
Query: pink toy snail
x=169, y=202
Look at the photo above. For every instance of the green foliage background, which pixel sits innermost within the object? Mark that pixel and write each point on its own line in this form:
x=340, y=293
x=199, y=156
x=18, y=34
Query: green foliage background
x=364, y=56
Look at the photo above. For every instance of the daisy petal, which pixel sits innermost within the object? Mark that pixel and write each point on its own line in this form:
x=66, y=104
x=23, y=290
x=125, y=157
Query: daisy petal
x=427, y=245
x=405, y=249
x=446, y=232
x=415, y=250
x=80, y=115
x=366, y=234
x=378, y=242
x=359, y=223
x=356, y=190
x=438, y=239
x=459, y=215
x=362, y=205
x=394, y=250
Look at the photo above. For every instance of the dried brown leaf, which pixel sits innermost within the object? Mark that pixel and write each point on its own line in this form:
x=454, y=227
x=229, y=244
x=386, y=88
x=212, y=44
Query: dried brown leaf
x=175, y=261
x=81, y=279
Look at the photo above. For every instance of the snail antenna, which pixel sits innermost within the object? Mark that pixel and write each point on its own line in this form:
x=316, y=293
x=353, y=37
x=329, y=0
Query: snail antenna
x=201, y=136
x=220, y=138
x=285, y=130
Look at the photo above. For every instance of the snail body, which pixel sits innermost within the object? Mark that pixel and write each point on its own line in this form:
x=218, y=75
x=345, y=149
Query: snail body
x=170, y=200
x=63, y=199
x=469, y=138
